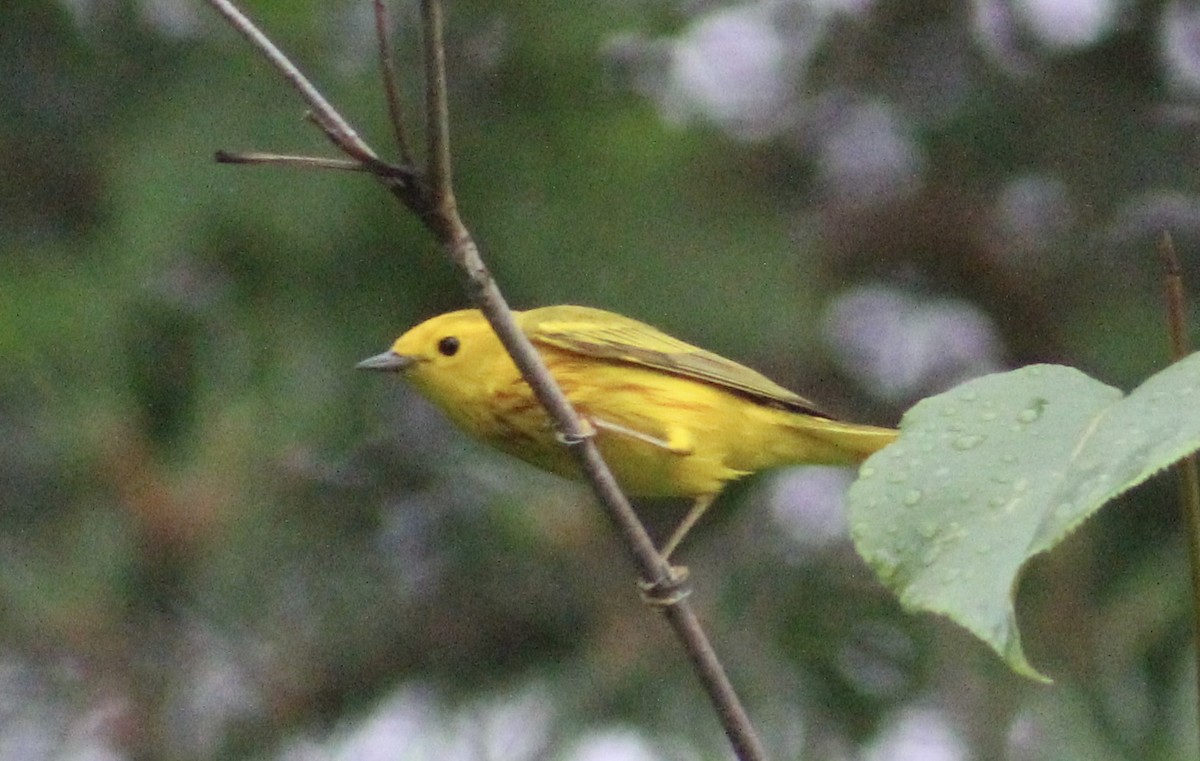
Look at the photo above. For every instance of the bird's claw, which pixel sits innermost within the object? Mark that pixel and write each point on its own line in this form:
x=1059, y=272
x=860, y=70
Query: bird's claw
x=668, y=590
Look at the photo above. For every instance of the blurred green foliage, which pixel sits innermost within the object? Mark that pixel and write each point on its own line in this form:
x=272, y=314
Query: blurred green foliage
x=219, y=541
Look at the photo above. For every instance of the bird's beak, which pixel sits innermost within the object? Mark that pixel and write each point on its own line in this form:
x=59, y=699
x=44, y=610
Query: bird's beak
x=389, y=361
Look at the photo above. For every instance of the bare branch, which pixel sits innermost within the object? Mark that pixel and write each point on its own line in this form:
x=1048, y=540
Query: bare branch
x=432, y=198
x=334, y=127
x=391, y=87
x=437, y=108
x=1187, y=468
x=1176, y=299
x=307, y=162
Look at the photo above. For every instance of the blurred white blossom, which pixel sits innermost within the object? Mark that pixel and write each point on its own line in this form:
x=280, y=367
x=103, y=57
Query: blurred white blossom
x=1032, y=213
x=1180, y=45
x=731, y=67
x=618, y=744
x=1068, y=23
x=809, y=504
x=414, y=725
x=739, y=67
x=877, y=657
x=902, y=346
x=866, y=155
x=918, y=734
x=1015, y=31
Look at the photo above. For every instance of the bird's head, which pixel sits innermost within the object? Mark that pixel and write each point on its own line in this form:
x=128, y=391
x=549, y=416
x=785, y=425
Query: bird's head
x=441, y=355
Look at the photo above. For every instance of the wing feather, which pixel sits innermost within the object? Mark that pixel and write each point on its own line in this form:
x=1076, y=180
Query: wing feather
x=605, y=335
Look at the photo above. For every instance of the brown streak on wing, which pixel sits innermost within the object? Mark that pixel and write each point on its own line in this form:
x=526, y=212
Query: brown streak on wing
x=605, y=335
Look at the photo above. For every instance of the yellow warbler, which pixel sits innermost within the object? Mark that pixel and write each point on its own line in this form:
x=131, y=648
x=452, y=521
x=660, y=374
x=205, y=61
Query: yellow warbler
x=671, y=419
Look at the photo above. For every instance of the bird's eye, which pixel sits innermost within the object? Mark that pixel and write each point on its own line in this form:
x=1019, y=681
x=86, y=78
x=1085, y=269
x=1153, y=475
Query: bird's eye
x=448, y=346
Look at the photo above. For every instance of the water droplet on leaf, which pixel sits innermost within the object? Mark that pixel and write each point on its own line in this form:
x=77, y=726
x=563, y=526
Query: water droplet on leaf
x=1033, y=411
x=968, y=441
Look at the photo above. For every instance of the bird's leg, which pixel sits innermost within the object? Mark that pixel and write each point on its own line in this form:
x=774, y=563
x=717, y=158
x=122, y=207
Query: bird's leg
x=680, y=445
x=672, y=589
x=698, y=508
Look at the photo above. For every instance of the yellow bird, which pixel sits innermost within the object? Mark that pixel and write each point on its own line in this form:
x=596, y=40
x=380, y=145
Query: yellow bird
x=670, y=419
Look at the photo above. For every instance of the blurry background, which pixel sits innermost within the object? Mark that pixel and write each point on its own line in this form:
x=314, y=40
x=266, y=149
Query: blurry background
x=218, y=541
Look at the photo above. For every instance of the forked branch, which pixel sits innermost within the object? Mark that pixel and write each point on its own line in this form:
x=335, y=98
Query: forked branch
x=430, y=196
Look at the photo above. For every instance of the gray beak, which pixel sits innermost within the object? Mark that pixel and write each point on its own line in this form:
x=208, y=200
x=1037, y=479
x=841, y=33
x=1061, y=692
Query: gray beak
x=389, y=361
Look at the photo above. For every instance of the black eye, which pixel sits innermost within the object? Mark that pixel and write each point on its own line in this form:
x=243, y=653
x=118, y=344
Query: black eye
x=448, y=346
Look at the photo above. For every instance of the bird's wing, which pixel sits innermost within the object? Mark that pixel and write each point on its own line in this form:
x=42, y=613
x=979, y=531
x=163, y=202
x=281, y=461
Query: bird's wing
x=605, y=335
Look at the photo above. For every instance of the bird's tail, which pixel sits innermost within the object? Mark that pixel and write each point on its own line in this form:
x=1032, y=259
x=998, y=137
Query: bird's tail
x=844, y=443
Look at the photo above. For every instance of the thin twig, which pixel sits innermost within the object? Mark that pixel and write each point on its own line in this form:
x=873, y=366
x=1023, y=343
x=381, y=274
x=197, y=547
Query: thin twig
x=401, y=176
x=348, y=143
x=433, y=201
x=391, y=86
x=1175, y=298
x=306, y=162
x=437, y=107
x=239, y=21
x=1189, y=477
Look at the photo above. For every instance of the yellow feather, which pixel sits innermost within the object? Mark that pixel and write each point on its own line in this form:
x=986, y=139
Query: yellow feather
x=671, y=419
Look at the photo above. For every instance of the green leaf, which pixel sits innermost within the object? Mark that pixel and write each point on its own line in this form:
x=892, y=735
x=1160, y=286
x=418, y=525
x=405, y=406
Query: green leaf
x=1004, y=467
